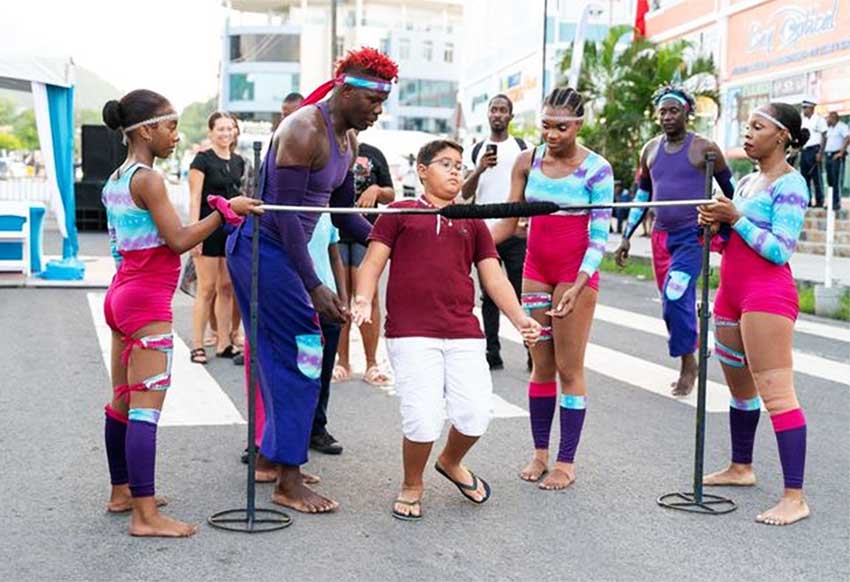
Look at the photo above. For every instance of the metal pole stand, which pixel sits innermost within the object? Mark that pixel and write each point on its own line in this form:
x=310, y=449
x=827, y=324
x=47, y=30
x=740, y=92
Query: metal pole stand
x=696, y=501
x=247, y=520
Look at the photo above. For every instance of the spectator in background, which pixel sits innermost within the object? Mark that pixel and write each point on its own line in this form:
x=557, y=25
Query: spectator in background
x=837, y=138
x=217, y=171
x=812, y=153
x=373, y=185
x=290, y=103
x=488, y=183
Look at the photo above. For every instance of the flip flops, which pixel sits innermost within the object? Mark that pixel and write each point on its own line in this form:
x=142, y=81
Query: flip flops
x=464, y=489
x=409, y=516
x=376, y=377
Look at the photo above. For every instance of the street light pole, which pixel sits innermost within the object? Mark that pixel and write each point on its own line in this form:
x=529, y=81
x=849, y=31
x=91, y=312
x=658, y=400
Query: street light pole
x=334, y=55
x=543, y=72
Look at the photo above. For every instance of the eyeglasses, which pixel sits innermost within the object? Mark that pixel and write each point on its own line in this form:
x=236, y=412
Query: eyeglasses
x=448, y=164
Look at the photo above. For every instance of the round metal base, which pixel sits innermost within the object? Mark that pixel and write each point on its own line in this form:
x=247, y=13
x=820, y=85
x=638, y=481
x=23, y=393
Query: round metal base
x=710, y=505
x=237, y=520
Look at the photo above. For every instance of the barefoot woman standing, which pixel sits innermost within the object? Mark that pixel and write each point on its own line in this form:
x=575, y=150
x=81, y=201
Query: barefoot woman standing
x=756, y=306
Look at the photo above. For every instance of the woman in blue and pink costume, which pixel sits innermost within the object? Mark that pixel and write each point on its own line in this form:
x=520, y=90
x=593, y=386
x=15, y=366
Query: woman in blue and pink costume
x=147, y=239
x=756, y=306
x=561, y=270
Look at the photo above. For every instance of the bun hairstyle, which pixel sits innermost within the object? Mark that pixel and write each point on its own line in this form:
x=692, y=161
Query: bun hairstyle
x=134, y=107
x=566, y=98
x=788, y=116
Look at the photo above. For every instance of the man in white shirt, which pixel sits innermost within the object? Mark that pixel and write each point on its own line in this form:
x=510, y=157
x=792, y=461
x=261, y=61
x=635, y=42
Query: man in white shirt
x=837, y=139
x=490, y=183
x=812, y=154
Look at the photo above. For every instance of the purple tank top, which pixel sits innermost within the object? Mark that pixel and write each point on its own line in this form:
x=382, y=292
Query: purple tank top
x=321, y=182
x=675, y=178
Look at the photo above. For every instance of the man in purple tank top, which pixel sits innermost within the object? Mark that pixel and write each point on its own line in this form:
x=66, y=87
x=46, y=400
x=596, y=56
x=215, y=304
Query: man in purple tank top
x=672, y=167
x=308, y=164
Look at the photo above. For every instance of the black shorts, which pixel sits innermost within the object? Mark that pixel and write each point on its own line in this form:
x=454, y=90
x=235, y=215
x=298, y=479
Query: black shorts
x=213, y=245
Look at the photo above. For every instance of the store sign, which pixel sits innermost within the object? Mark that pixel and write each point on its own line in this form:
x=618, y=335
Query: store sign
x=788, y=25
x=788, y=86
x=785, y=34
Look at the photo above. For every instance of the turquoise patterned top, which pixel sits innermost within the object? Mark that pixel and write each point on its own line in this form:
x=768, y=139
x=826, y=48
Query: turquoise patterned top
x=591, y=183
x=772, y=218
x=130, y=228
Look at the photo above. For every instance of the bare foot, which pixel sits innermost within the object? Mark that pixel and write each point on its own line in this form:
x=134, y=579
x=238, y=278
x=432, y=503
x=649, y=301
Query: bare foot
x=791, y=508
x=120, y=501
x=735, y=475
x=534, y=470
x=408, y=503
x=302, y=498
x=310, y=479
x=147, y=521
x=265, y=475
x=561, y=477
x=687, y=377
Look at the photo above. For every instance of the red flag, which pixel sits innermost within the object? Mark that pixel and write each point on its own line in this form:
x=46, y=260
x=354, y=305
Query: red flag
x=640, y=17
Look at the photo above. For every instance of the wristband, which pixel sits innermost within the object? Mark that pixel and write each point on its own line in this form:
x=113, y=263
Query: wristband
x=222, y=206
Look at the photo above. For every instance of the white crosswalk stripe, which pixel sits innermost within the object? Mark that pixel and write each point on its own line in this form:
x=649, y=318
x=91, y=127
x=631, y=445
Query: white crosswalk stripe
x=804, y=363
x=195, y=398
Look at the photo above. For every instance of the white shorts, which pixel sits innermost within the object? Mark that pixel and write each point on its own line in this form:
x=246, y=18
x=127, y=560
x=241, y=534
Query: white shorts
x=436, y=378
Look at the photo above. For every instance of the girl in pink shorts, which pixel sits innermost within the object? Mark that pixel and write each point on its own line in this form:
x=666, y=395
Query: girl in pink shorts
x=561, y=271
x=756, y=306
x=146, y=239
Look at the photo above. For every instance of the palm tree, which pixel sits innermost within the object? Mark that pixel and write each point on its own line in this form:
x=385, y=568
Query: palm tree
x=619, y=76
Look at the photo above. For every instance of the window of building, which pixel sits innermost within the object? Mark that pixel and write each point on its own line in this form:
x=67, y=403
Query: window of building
x=404, y=49
x=265, y=48
x=340, y=47
x=426, y=93
x=426, y=124
x=385, y=46
x=428, y=50
x=449, y=53
x=262, y=87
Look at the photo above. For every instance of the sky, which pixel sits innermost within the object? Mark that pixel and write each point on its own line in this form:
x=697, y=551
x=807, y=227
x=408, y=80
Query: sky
x=169, y=46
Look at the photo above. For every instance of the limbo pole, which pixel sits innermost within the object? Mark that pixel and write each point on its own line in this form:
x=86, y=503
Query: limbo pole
x=246, y=520
x=696, y=501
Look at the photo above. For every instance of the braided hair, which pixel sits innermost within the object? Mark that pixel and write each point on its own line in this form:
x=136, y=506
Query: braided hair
x=678, y=93
x=565, y=98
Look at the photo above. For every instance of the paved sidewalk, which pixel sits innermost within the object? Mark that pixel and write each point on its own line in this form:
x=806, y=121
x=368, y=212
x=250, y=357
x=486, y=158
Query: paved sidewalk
x=806, y=267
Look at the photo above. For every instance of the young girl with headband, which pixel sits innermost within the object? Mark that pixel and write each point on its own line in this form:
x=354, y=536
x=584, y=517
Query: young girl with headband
x=756, y=306
x=146, y=239
x=560, y=278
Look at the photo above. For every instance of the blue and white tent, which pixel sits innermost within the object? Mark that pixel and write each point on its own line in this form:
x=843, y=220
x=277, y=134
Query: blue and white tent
x=51, y=82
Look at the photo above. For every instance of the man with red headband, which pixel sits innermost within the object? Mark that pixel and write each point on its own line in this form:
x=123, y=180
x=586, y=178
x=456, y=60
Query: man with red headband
x=308, y=164
x=672, y=167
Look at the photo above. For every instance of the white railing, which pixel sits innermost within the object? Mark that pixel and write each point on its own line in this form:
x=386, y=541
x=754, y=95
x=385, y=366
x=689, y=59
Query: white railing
x=25, y=190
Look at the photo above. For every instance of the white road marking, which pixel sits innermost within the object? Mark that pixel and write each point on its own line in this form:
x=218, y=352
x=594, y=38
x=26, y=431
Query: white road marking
x=804, y=363
x=635, y=372
x=194, y=399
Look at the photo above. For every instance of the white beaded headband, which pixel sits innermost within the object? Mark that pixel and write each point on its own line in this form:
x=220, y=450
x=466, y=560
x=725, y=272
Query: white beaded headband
x=151, y=121
x=561, y=119
x=771, y=118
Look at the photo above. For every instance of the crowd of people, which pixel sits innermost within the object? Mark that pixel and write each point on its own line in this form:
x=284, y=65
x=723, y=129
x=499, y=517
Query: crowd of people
x=541, y=273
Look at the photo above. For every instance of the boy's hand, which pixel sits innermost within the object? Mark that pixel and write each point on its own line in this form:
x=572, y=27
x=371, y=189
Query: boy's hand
x=361, y=310
x=530, y=330
x=242, y=205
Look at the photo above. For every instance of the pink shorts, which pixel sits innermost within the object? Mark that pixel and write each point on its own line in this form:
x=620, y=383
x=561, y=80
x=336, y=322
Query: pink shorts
x=142, y=290
x=749, y=282
x=556, y=247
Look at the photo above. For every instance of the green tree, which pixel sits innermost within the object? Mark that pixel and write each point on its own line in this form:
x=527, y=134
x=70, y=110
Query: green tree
x=618, y=78
x=7, y=111
x=193, y=121
x=9, y=142
x=23, y=127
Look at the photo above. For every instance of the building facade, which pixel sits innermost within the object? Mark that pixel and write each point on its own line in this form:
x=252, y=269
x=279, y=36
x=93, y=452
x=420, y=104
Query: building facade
x=504, y=39
x=766, y=50
x=271, y=48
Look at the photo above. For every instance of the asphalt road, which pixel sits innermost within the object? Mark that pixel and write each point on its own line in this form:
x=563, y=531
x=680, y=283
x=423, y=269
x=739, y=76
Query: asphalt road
x=637, y=445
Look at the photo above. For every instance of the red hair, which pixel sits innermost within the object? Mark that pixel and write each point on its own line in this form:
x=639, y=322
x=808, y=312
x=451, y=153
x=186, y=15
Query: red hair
x=369, y=61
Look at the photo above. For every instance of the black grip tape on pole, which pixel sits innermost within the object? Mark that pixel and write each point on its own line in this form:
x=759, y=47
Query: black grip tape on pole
x=504, y=210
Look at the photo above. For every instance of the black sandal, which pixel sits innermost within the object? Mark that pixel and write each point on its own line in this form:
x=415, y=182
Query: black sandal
x=464, y=488
x=196, y=356
x=228, y=352
x=411, y=505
